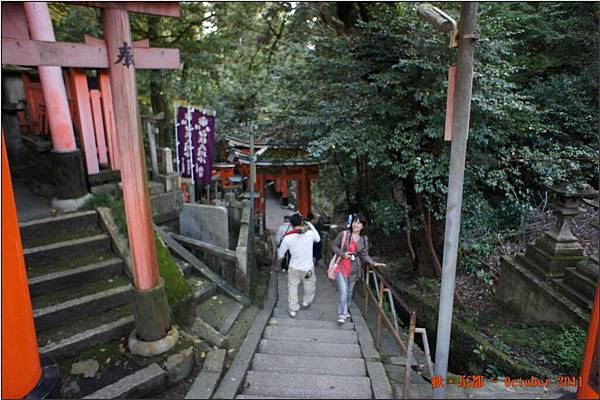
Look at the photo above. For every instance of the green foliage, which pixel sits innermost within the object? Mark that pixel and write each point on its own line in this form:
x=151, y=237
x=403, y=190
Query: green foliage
x=367, y=95
x=374, y=102
x=115, y=204
x=176, y=286
x=567, y=348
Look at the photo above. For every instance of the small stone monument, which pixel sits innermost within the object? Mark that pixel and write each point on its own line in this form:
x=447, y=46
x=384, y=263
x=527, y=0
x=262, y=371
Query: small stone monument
x=558, y=248
x=166, y=175
x=546, y=283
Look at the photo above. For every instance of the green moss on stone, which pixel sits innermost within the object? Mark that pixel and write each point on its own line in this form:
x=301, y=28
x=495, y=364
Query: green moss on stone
x=175, y=283
x=567, y=258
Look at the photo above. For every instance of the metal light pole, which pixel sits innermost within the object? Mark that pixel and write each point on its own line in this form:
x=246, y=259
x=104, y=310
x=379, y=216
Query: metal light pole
x=460, y=128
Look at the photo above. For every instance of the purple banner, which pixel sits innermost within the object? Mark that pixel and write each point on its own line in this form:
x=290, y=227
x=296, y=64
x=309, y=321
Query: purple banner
x=195, y=134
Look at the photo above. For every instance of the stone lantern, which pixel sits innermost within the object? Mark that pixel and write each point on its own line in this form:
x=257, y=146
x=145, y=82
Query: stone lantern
x=558, y=248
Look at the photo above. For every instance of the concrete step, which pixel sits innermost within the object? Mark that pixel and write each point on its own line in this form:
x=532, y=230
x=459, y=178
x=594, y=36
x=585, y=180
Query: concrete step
x=580, y=283
x=531, y=266
x=308, y=324
x=68, y=249
x=318, y=306
x=49, y=312
x=219, y=311
x=49, y=230
x=572, y=295
x=69, y=263
x=310, y=335
x=308, y=314
x=138, y=385
x=307, y=386
x=308, y=365
x=589, y=268
x=72, y=345
x=309, y=349
x=56, y=281
x=64, y=331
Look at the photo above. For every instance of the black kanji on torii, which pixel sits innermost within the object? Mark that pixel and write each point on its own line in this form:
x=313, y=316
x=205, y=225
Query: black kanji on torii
x=125, y=55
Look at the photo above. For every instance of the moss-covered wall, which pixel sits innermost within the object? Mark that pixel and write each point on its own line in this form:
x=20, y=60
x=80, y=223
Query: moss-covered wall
x=465, y=338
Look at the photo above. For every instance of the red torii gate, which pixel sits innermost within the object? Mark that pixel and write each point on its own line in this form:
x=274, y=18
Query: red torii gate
x=114, y=54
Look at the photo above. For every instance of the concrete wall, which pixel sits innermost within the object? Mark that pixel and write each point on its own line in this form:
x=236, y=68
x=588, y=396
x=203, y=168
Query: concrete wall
x=206, y=223
x=245, y=251
x=530, y=298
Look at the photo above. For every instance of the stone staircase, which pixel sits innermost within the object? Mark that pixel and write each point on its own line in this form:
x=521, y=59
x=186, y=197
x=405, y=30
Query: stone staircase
x=311, y=355
x=579, y=283
x=78, y=291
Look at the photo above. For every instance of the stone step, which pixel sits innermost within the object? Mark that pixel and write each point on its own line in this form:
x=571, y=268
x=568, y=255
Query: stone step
x=69, y=263
x=56, y=281
x=572, y=295
x=309, y=365
x=272, y=384
x=531, y=266
x=589, y=268
x=290, y=348
x=47, y=230
x=64, y=250
x=310, y=335
x=72, y=345
x=308, y=324
x=317, y=306
x=219, y=311
x=307, y=314
x=138, y=385
x=580, y=283
x=64, y=331
x=92, y=302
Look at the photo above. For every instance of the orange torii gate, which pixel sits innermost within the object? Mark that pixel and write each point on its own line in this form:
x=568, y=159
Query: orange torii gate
x=280, y=164
x=117, y=54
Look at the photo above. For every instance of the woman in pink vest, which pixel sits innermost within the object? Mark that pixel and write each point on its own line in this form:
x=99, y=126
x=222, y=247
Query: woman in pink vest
x=352, y=246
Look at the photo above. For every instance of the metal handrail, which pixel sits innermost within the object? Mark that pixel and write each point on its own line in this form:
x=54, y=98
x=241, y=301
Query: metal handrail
x=382, y=287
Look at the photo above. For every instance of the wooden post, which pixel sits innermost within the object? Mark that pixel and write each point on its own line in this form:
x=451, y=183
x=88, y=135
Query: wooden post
x=117, y=34
x=20, y=359
x=450, y=103
x=409, y=354
x=53, y=86
x=588, y=374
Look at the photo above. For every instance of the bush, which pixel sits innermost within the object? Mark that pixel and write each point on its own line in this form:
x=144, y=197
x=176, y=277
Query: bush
x=116, y=205
x=567, y=348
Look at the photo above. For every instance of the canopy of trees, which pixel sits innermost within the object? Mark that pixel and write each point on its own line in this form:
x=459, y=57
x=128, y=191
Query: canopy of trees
x=364, y=85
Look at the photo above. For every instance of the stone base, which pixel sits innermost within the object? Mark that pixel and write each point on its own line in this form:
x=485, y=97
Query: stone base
x=532, y=298
x=69, y=175
x=152, y=314
x=154, y=348
x=170, y=182
x=70, y=204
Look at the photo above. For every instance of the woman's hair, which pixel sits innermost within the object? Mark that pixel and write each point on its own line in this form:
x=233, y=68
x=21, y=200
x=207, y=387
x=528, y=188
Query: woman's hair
x=360, y=217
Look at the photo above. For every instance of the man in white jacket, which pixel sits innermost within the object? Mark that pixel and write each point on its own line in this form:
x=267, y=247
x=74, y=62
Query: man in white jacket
x=299, y=242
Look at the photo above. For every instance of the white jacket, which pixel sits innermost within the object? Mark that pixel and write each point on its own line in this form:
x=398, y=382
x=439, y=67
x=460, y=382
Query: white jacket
x=300, y=246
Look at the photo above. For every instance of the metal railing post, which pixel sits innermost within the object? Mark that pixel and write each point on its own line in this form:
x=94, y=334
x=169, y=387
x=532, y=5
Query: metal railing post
x=379, y=312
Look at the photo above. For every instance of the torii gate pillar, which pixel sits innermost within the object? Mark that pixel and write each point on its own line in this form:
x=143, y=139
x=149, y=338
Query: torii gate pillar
x=71, y=186
x=152, y=320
